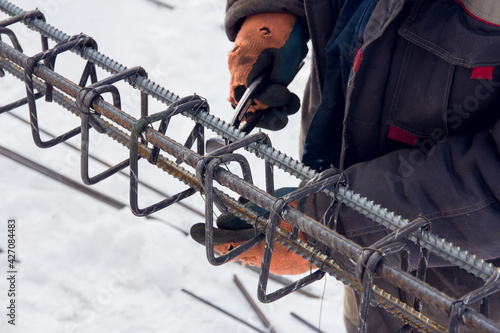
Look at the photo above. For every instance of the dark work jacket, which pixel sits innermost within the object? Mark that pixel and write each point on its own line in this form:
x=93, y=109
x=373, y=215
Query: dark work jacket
x=419, y=131
x=404, y=99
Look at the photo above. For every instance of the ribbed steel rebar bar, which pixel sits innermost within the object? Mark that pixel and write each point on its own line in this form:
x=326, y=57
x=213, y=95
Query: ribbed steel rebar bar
x=381, y=215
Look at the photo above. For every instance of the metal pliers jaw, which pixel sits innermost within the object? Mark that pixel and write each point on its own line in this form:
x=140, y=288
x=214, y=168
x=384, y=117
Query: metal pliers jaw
x=252, y=119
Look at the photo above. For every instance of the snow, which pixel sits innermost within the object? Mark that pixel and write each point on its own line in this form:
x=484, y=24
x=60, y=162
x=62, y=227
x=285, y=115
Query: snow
x=87, y=267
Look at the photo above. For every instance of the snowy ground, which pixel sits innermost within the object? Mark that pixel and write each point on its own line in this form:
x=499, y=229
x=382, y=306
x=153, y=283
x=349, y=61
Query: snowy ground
x=86, y=267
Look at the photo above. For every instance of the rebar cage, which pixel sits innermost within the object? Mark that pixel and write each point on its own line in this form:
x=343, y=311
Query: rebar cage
x=146, y=142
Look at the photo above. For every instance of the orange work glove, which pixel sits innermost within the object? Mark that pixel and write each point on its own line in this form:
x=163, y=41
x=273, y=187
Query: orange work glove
x=273, y=44
x=232, y=232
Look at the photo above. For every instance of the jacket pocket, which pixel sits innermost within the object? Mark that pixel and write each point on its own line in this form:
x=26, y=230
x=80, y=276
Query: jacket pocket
x=431, y=84
x=419, y=101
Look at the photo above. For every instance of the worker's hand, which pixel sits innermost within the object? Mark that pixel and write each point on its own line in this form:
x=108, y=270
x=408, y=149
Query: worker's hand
x=273, y=44
x=232, y=232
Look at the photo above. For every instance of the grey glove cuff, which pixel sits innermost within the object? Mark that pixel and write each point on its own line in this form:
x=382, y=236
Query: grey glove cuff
x=238, y=10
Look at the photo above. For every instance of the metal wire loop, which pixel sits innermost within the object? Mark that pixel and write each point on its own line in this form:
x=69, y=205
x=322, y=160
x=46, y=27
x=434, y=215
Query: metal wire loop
x=134, y=171
x=459, y=307
x=211, y=168
x=184, y=104
x=164, y=117
x=371, y=256
x=206, y=169
x=70, y=43
x=24, y=16
x=85, y=100
x=12, y=36
x=323, y=181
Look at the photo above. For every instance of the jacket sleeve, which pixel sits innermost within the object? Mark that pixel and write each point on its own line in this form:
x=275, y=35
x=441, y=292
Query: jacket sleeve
x=454, y=183
x=237, y=10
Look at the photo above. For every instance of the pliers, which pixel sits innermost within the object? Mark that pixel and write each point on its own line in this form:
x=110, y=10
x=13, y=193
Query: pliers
x=252, y=119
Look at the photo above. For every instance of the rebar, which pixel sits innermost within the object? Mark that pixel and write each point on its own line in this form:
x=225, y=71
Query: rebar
x=305, y=322
x=252, y=303
x=244, y=322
